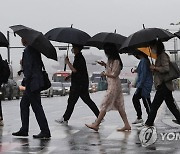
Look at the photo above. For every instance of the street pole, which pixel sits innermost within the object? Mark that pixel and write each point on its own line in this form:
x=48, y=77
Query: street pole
x=8, y=48
x=175, y=50
x=176, y=44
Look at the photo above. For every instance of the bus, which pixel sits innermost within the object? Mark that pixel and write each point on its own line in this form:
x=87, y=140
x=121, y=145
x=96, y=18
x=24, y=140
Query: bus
x=60, y=76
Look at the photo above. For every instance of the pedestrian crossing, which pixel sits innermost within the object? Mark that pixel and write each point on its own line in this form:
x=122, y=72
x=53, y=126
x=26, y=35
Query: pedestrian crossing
x=107, y=138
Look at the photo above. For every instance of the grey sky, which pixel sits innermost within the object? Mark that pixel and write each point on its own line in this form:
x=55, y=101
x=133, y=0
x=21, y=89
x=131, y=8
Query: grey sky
x=93, y=16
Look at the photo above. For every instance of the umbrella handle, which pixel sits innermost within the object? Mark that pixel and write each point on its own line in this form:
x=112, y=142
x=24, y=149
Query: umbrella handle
x=67, y=56
x=150, y=55
x=65, y=67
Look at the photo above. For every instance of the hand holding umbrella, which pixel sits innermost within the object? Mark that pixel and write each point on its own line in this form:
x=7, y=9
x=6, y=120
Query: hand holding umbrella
x=66, y=60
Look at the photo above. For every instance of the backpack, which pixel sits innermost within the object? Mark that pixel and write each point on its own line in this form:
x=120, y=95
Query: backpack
x=4, y=71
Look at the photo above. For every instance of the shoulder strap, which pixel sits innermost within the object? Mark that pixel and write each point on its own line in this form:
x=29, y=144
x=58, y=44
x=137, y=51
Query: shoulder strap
x=43, y=67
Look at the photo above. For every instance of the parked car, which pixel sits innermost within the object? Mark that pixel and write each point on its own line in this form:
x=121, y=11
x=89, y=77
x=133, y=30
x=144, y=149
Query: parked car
x=97, y=82
x=19, y=84
x=67, y=86
x=95, y=76
x=48, y=92
x=126, y=88
x=93, y=87
x=10, y=90
x=58, y=88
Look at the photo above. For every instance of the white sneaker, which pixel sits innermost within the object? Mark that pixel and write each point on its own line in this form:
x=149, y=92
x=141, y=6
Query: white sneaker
x=137, y=121
x=1, y=123
x=61, y=121
x=141, y=127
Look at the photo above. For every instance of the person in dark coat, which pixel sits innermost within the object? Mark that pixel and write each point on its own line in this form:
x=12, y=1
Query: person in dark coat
x=33, y=81
x=1, y=114
x=79, y=85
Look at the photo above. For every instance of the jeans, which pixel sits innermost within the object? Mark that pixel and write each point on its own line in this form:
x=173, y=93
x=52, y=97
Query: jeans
x=136, y=102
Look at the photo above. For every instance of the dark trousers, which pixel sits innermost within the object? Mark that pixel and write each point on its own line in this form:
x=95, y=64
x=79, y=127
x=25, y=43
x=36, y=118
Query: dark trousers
x=75, y=93
x=136, y=102
x=162, y=94
x=33, y=99
x=1, y=115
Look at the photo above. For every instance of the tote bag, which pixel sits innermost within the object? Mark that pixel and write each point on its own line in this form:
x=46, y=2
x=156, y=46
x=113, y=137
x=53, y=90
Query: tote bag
x=173, y=73
x=47, y=82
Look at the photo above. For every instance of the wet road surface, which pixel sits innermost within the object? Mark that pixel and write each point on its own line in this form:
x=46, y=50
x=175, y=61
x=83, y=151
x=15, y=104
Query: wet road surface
x=76, y=138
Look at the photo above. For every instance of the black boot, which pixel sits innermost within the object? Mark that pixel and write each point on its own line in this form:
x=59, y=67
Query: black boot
x=42, y=135
x=20, y=133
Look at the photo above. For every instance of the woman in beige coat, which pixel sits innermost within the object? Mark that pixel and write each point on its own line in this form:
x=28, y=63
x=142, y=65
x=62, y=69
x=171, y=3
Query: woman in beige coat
x=113, y=99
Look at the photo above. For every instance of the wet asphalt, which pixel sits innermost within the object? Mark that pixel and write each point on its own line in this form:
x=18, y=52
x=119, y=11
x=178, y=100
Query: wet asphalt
x=76, y=138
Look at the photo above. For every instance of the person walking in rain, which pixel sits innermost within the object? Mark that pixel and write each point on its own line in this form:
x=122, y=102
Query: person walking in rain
x=113, y=99
x=79, y=85
x=33, y=82
x=163, y=89
x=143, y=84
x=1, y=113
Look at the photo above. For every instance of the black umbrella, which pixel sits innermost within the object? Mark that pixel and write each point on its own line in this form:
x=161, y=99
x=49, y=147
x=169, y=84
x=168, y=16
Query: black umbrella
x=3, y=41
x=37, y=40
x=177, y=34
x=143, y=37
x=100, y=39
x=68, y=35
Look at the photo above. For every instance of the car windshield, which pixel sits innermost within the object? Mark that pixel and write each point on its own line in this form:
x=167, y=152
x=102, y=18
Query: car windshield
x=67, y=84
x=56, y=84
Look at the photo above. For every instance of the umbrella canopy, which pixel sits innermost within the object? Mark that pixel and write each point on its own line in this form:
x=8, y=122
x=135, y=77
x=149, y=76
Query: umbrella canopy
x=37, y=40
x=100, y=39
x=143, y=37
x=148, y=51
x=3, y=41
x=68, y=35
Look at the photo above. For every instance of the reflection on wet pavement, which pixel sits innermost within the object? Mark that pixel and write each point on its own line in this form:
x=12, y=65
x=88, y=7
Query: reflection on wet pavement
x=78, y=139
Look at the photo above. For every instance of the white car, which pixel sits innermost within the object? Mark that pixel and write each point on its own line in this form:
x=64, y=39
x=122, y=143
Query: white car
x=48, y=92
x=125, y=84
x=58, y=88
x=67, y=86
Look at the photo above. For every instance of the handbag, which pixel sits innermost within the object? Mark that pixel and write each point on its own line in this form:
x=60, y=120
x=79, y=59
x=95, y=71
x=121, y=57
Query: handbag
x=173, y=73
x=47, y=82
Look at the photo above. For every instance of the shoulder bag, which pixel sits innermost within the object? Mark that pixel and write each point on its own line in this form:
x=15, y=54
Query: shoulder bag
x=173, y=73
x=47, y=82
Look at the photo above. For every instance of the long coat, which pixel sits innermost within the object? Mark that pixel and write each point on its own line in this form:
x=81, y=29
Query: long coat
x=32, y=69
x=162, y=62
